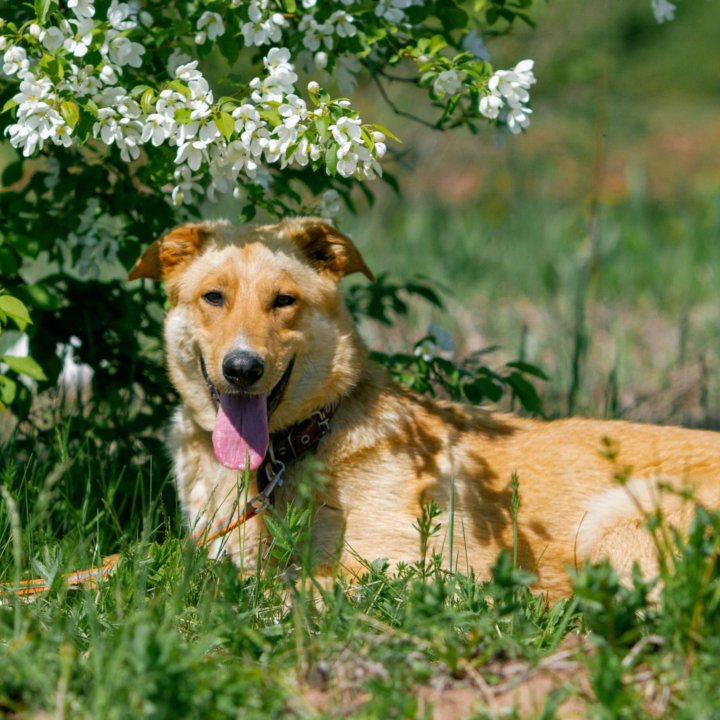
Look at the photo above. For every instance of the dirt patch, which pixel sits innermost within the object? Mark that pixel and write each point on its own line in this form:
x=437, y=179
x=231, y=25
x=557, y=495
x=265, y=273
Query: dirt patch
x=494, y=689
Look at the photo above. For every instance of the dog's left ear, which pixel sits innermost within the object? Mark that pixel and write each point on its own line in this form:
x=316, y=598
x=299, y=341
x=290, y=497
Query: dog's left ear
x=325, y=247
x=170, y=252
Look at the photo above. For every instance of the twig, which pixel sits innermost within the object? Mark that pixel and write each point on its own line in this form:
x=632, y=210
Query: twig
x=396, y=78
x=397, y=110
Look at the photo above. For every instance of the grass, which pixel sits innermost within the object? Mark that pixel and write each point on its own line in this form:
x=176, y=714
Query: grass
x=175, y=634
x=646, y=292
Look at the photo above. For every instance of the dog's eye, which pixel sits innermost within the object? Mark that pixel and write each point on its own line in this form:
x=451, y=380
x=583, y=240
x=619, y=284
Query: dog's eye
x=283, y=300
x=214, y=298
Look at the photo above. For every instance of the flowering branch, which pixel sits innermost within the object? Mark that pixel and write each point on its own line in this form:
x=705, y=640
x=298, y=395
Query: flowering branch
x=103, y=72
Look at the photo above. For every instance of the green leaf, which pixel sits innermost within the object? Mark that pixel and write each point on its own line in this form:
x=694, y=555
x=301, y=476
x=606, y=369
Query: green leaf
x=528, y=369
x=437, y=43
x=84, y=127
x=182, y=115
x=331, y=160
x=139, y=90
x=385, y=131
x=42, y=8
x=425, y=292
x=8, y=389
x=24, y=366
x=12, y=173
x=225, y=124
x=9, y=105
x=321, y=125
x=69, y=111
x=482, y=388
x=8, y=263
x=43, y=297
x=526, y=393
x=179, y=86
x=229, y=47
x=15, y=310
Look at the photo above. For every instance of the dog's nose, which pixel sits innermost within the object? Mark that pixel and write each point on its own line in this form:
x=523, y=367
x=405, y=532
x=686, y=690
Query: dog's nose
x=243, y=368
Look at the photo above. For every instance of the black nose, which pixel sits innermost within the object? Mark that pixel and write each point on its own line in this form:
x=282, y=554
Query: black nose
x=243, y=368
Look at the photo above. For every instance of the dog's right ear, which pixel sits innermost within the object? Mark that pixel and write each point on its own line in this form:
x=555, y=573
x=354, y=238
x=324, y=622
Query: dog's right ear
x=168, y=254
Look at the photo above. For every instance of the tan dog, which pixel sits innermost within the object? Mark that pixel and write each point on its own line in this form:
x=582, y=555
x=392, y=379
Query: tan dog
x=258, y=339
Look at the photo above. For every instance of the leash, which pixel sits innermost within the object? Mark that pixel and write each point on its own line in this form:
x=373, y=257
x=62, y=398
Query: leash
x=290, y=444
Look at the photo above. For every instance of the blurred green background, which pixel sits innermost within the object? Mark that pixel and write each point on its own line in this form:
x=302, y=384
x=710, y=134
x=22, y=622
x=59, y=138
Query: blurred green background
x=589, y=245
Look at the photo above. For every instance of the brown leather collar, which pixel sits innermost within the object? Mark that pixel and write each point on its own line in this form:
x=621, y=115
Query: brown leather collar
x=288, y=445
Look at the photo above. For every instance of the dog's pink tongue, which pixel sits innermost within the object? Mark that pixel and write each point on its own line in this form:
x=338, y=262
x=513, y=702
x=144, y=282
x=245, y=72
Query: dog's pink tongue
x=241, y=431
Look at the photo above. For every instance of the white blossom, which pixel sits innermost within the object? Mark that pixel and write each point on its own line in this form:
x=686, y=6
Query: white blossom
x=321, y=60
x=193, y=152
x=78, y=43
x=121, y=16
x=109, y=74
x=347, y=66
x=346, y=130
x=344, y=23
x=211, y=24
x=260, y=30
x=271, y=126
x=158, y=128
x=426, y=349
x=517, y=119
x=329, y=204
x=82, y=8
x=392, y=10
x=53, y=38
x=663, y=10
x=246, y=117
x=177, y=58
x=121, y=50
x=61, y=134
x=34, y=91
x=448, y=82
x=292, y=111
x=186, y=185
x=474, y=43
x=310, y=30
x=379, y=147
x=490, y=106
x=15, y=61
x=188, y=71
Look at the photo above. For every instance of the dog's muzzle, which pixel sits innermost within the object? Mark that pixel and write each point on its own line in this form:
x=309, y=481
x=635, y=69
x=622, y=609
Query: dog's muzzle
x=274, y=398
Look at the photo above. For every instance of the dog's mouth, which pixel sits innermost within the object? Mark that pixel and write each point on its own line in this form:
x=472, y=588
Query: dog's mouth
x=241, y=437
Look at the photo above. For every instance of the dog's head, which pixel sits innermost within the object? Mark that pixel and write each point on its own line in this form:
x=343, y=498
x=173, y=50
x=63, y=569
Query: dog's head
x=257, y=335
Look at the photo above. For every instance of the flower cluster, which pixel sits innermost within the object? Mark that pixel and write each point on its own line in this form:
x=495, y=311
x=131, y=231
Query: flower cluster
x=271, y=126
x=81, y=75
x=508, y=93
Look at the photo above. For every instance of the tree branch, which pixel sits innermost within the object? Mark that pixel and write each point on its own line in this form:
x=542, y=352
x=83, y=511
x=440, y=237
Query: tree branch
x=397, y=110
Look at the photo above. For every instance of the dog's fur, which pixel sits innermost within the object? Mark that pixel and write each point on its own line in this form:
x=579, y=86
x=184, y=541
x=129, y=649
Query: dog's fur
x=390, y=451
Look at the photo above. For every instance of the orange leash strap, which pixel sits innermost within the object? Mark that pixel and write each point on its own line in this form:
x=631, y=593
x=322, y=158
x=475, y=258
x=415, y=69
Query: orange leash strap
x=90, y=577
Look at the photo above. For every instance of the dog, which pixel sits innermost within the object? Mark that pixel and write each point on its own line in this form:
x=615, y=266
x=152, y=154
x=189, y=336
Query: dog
x=266, y=360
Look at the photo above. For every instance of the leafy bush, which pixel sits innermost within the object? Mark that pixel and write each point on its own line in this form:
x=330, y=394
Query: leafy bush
x=130, y=117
